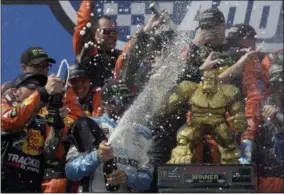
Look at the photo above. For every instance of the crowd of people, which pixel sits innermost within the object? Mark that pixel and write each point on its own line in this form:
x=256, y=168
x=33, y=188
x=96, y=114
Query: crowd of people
x=48, y=146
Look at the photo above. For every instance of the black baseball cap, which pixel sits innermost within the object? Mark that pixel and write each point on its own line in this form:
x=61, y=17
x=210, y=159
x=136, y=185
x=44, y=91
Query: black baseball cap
x=77, y=70
x=241, y=31
x=24, y=78
x=210, y=18
x=115, y=90
x=34, y=56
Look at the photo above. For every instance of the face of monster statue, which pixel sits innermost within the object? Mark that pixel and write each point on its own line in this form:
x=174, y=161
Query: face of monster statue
x=209, y=83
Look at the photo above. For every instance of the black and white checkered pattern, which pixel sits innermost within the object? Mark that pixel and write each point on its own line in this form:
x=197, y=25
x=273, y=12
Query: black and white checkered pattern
x=129, y=14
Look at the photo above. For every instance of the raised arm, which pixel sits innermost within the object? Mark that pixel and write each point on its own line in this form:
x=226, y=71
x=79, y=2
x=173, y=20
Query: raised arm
x=83, y=17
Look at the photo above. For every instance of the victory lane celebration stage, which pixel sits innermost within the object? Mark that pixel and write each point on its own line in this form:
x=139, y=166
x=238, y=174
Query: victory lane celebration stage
x=206, y=178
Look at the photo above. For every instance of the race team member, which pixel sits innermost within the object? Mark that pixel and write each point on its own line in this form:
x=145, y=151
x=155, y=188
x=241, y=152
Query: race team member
x=268, y=156
x=81, y=88
x=209, y=36
x=116, y=98
x=25, y=133
x=210, y=27
x=33, y=60
x=88, y=98
x=139, y=59
x=36, y=60
x=101, y=54
x=244, y=36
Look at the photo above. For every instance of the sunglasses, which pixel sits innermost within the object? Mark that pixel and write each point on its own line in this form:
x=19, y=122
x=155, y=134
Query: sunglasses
x=31, y=86
x=41, y=66
x=108, y=31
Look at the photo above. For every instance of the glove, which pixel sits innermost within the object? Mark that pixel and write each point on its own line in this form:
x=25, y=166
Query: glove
x=246, y=148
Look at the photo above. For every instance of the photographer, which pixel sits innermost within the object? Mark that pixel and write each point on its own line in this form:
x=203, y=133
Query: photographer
x=86, y=163
x=25, y=133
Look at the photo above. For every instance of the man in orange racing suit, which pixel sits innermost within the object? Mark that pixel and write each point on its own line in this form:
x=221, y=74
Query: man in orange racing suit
x=25, y=134
x=82, y=98
x=254, y=82
x=94, y=41
x=269, y=143
x=87, y=96
x=84, y=91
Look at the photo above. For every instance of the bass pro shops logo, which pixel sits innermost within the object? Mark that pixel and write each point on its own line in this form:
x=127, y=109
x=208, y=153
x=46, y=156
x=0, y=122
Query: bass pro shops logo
x=265, y=16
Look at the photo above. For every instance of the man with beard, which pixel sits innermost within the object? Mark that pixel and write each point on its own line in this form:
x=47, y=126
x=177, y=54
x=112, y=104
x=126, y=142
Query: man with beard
x=94, y=43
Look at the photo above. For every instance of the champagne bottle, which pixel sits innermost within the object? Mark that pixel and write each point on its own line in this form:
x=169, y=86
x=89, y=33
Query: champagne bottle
x=53, y=118
x=108, y=168
x=171, y=25
x=88, y=136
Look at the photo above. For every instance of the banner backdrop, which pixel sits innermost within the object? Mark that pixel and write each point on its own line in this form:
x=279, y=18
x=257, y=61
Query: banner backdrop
x=50, y=23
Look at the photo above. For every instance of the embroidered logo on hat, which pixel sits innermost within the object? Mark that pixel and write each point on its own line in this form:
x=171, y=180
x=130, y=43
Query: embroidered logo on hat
x=37, y=52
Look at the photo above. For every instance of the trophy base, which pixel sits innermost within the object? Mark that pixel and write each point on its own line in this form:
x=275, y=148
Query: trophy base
x=206, y=178
x=207, y=190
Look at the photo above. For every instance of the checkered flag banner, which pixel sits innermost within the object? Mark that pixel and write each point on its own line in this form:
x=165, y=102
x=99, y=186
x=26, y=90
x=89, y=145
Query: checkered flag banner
x=128, y=14
x=131, y=14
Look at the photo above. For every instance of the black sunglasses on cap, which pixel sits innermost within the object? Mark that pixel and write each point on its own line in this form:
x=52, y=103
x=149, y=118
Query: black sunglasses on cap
x=30, y=85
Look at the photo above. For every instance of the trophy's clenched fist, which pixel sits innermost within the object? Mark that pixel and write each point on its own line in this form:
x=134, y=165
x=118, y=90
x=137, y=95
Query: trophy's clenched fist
x=180, y=155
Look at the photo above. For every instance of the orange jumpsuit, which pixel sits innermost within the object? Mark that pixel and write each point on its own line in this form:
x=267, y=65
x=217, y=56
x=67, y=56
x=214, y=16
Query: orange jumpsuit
x=17, y=116
x=100, y=73
x=77, y=110
x=71, y=101
x=23, y=114
x=121, y=58
x=83, y=17
x=268, y=184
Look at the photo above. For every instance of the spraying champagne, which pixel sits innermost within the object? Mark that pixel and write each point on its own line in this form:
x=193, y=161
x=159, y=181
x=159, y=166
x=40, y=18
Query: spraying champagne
x=164, y=14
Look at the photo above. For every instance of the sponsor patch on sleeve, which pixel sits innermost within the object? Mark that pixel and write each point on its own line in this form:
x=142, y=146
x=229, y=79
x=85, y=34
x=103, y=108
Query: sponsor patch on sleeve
x=14, y=112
